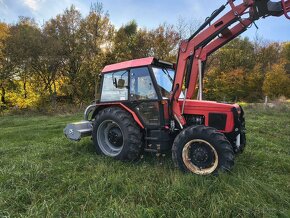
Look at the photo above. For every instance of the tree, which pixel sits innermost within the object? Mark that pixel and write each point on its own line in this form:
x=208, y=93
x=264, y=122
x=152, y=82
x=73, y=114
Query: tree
x=239, y=53
x=124, y=41
x=286, y=55
x=164, y=42
x=84, y=43
x=254, y=86
x=229, y=86
x=46, y=63
x=98, y=33
x=277, y=82
x=211, y=87
x=23, y=42
x=267, y=55
x=66, y=28
x=4, y=33
x=228, y=71
x=286, y=51
x=5, y=64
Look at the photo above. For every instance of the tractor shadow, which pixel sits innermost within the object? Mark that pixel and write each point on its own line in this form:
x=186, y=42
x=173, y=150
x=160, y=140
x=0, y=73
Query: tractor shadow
x=86, y=148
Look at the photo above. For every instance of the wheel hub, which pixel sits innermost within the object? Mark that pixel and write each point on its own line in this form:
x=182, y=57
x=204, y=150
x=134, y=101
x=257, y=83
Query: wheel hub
x=115, y=136
x=110, y=138
x=200, y=157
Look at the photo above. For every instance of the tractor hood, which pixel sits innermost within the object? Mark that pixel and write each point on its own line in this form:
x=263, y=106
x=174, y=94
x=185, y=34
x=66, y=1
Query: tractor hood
x=207, y=105
x=217, y=115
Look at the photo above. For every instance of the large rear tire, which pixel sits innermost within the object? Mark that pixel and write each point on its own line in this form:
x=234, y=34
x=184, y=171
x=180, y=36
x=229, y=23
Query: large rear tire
x=202, y=150
x=116, y=134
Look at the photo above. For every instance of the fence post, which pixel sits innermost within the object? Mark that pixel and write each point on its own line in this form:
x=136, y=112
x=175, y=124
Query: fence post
x=266, y=102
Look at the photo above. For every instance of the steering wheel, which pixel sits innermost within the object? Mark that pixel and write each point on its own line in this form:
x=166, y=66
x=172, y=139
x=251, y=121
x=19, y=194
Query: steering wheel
x=286, y=8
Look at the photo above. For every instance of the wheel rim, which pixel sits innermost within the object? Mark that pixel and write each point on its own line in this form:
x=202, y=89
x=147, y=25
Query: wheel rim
x=110, y=138
x=200, y=157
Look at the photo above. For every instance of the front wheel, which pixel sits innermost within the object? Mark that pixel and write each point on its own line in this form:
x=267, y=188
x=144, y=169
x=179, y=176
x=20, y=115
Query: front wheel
x=202, y=150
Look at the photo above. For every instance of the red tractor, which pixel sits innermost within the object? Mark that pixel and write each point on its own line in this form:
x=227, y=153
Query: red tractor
x=146, y=104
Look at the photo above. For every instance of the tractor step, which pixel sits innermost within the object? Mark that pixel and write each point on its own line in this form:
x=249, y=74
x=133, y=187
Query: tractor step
x=152, y=138
x=149, y=150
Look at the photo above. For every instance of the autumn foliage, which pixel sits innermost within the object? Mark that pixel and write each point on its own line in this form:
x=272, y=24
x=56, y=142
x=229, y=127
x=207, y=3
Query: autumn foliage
x=60, y=61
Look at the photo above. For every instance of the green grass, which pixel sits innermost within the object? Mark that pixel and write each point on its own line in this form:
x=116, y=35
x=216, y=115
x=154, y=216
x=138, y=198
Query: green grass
x=44, y=174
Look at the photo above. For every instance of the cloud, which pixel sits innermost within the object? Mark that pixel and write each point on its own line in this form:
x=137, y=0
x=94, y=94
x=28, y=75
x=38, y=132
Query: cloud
x=2, y=4
x=32, y=4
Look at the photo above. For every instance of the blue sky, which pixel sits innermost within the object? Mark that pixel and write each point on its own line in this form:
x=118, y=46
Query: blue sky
x=147, y=13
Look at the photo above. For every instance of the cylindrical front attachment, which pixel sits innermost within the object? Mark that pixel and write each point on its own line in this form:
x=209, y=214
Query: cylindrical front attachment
x=76, y=131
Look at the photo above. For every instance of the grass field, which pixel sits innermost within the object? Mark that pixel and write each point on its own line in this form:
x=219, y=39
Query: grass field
x=44, y=174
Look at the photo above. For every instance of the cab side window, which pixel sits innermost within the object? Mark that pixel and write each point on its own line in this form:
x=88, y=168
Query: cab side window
x=115, y=86
x=141, y=85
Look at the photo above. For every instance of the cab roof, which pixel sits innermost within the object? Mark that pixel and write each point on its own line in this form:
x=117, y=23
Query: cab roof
x=134, y=63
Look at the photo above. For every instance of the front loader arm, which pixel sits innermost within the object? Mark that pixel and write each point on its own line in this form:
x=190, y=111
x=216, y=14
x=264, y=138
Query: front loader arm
x=195, y=51
x=204, y=52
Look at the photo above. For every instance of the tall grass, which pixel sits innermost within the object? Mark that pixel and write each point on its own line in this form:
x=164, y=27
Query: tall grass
x=44, y=174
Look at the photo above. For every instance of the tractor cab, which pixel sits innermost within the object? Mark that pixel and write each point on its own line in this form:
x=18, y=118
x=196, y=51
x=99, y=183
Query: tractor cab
x=144, y=85
x=142, y=79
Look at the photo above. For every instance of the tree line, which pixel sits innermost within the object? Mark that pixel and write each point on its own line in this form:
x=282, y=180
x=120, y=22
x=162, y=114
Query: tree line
x=248, y=71
x=60, y=61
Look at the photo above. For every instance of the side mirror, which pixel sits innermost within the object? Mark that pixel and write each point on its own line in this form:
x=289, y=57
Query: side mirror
x=118, y=80
x=121, y=83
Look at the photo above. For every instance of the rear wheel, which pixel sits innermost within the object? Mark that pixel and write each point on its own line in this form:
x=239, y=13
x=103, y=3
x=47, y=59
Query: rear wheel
x=116, y=134
x=202, y=150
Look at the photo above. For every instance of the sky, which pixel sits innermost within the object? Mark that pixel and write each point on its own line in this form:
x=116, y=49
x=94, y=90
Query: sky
x=147, y=13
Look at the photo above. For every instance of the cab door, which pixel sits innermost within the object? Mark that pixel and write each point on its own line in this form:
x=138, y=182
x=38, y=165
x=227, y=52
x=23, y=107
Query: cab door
x=145, y=98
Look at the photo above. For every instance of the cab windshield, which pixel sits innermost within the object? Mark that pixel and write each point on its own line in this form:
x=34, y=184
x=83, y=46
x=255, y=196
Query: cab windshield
x=164, y=78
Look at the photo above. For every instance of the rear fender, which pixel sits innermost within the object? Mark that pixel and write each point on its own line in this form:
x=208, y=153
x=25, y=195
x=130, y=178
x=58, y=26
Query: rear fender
x=101, y=106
